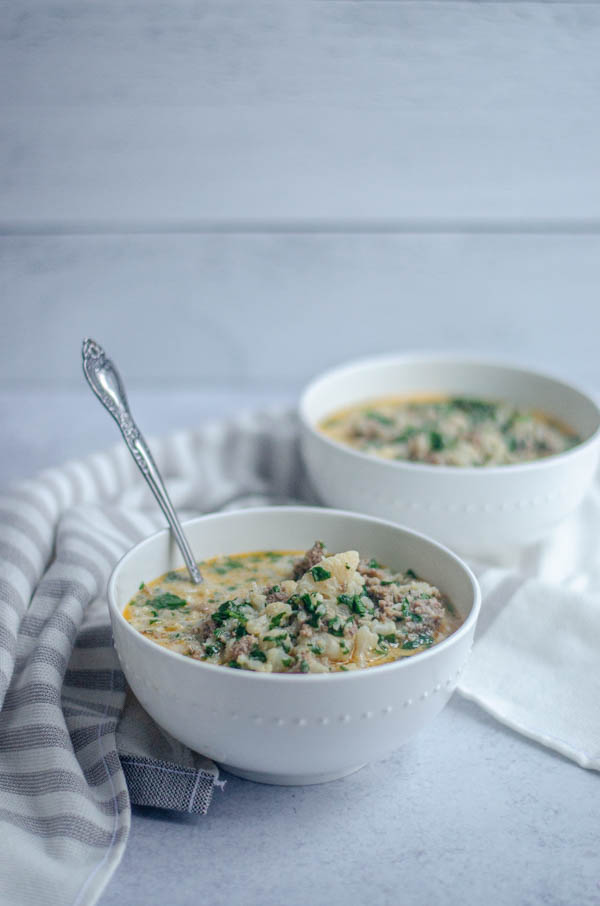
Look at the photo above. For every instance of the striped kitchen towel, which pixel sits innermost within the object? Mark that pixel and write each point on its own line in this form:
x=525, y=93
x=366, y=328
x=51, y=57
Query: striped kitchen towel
x=76, y=750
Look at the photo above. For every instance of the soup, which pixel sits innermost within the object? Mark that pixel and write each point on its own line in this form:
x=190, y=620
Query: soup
x=289, y=612
x=452, y=431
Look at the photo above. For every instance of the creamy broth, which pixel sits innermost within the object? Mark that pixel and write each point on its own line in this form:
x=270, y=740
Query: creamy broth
x=455, y=431
x=289, y=612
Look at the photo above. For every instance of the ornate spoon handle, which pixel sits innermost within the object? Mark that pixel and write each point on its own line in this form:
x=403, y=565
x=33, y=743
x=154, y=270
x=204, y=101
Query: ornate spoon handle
x=105, y=381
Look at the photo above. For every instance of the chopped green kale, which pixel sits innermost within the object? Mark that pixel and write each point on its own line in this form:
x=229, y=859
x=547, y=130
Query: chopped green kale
x=319, y=573
x=354, y=603
x=436, y=441
x=478, y=410
x=335, y=627
x=167, y=601
x=230, y=610
x=422, y=641
x=379, y=417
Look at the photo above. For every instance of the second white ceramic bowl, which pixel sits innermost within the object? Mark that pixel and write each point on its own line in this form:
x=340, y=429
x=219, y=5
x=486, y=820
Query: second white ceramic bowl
x=478, y=511
x=283, y=728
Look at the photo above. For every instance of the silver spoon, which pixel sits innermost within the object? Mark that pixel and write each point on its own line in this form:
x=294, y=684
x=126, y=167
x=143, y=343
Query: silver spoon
x=105, y=381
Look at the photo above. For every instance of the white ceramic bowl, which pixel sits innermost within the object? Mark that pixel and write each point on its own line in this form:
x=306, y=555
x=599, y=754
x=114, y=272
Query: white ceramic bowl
x=282, y=728
x=476, y=510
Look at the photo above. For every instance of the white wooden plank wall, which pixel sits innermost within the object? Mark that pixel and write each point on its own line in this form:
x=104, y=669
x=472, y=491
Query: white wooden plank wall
x=234, y=309
x=243, y=193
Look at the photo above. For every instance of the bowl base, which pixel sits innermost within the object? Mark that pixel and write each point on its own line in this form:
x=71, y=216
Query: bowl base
x=289, y=779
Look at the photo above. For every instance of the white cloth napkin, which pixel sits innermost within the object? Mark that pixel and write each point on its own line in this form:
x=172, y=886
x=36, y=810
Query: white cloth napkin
x=535, y=664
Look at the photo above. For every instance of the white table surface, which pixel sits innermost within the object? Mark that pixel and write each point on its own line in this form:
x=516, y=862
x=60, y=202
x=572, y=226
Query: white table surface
x=466, y=813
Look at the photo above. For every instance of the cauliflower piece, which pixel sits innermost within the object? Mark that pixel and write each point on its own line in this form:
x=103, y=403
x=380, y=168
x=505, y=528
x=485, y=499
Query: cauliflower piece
x=343, y=577
x=257, y=625
x=277, y=659
x=387, y=627
x=254, y=664
x=275, y=607
x=364, y=642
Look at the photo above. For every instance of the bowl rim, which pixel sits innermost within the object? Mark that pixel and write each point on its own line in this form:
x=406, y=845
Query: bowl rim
x=338, y=676
x=401, y=465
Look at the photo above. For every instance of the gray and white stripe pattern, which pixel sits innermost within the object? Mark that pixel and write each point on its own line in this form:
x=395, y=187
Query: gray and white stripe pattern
x=75, y=748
